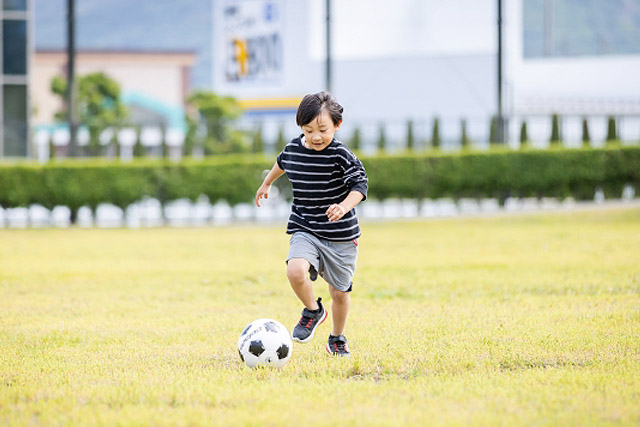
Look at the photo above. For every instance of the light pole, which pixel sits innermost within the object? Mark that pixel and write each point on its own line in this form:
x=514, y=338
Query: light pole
x=71, y=56
x=501, y=134
x=328, y=39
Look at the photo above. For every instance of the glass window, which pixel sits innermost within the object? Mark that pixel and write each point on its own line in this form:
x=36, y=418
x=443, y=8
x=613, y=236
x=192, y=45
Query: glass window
x=565, y=28
x=15, y=4
x=15, y=120
x=14, y=46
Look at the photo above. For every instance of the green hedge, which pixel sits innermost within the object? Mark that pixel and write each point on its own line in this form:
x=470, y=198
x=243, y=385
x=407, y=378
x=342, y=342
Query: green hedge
x=556, y=172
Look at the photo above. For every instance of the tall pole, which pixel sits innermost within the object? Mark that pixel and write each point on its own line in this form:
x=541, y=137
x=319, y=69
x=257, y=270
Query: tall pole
x=328, y=38
x=71, y=56
x=500, y=119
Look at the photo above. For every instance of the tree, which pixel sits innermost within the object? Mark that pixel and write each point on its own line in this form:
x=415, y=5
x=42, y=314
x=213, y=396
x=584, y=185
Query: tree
x=410, y=137
x=355, y=142
x=52, y=149
x=190, y=136
x=464, y=137
x=258, y=141
x=217, y=114
x=493, y=130
x=138, y=148
x=164, y=147
x=281, y=142
x=98, y=105
x=612, y=134
x=586, y=137
x=436, y=141
x=524, y=134
x=382, y=139
x=555, y=130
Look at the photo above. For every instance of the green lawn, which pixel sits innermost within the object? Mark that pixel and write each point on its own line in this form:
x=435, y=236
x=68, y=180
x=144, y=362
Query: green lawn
x=525, y=320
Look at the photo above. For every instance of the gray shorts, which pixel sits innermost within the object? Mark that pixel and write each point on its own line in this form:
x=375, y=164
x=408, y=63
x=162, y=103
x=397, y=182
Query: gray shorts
x=334, y=261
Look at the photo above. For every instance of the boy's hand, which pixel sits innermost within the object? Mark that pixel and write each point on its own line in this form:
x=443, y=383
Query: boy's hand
x=336, y=211
x=263, y=191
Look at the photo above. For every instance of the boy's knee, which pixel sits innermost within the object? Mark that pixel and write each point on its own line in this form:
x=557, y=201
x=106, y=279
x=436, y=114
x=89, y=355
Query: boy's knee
x=297, y=270
x=338, y=295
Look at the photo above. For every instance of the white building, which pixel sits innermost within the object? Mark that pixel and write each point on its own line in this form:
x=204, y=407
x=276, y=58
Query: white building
x=418, y=59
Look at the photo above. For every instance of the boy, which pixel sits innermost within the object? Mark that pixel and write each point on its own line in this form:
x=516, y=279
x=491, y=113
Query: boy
x=328, y=181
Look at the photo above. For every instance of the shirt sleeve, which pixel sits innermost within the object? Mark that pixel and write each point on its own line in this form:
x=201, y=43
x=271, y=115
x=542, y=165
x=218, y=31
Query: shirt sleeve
x=285, y=154
x=279, y=159
x=355, y=176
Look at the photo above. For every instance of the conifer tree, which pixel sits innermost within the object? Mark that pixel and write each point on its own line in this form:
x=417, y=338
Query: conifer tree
x=436, y=141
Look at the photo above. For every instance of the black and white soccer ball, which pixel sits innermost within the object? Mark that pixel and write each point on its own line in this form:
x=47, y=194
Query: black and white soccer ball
x=265, y=342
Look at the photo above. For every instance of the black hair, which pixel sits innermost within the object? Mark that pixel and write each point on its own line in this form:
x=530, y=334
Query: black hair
x=313, y=104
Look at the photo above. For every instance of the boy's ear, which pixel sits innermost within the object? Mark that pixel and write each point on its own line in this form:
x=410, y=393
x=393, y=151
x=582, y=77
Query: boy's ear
x=338, y=125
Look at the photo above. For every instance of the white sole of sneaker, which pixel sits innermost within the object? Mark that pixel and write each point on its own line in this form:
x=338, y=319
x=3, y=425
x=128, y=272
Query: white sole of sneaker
x=310, y=337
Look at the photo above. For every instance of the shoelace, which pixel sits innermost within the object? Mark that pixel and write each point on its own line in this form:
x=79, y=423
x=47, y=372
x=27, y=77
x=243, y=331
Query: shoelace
x=305, y=321
x=340, y=346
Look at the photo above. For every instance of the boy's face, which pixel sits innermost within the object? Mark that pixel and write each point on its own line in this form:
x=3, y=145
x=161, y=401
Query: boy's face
x=319, y=131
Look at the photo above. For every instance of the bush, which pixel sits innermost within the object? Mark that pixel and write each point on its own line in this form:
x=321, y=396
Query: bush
x=500, y=173
x=497, y=173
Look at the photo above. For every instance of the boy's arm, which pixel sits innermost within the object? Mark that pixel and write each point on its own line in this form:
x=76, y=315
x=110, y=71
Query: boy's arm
x=338, y=210
x=275, y=173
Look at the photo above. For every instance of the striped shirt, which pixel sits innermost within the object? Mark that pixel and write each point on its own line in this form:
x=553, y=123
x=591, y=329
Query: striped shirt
x=320, y=179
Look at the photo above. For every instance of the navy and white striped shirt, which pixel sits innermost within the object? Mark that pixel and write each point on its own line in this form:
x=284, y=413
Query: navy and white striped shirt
x=320, y=179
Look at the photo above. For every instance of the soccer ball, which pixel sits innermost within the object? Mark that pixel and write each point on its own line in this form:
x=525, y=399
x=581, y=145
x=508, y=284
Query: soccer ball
x=265, y=342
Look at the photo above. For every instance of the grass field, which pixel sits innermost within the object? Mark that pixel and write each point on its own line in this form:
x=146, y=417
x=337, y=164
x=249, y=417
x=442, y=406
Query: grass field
x=525, y=320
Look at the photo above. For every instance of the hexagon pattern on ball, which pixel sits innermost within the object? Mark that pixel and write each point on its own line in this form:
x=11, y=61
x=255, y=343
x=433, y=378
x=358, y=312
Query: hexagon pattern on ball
x=265, y=342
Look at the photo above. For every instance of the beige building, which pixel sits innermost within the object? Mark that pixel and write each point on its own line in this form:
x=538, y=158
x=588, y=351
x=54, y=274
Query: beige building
x=153, y=84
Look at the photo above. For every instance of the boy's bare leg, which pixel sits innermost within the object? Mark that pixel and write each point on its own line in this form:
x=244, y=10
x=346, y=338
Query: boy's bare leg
x=340, y=302
x=297, y=273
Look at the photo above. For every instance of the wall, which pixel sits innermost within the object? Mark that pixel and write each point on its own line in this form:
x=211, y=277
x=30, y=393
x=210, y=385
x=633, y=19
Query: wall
x=603, y=84
x=162, y=76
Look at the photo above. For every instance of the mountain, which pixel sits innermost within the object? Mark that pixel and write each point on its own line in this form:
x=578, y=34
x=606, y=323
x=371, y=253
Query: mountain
x=132, y=25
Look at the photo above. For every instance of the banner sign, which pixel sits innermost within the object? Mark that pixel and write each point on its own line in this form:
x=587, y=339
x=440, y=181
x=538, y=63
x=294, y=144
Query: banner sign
x=252, y=41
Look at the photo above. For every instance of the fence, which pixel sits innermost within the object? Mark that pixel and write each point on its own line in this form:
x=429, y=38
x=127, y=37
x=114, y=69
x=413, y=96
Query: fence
x=390, y=136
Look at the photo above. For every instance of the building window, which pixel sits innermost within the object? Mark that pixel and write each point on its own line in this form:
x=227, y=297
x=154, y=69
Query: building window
x=15, y=5
x=14, y=46
x=15, y=120
x=568, y=28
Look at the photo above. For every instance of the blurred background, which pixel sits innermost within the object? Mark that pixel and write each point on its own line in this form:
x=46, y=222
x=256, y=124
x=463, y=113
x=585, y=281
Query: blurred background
x=200, y=78
x=159, y=72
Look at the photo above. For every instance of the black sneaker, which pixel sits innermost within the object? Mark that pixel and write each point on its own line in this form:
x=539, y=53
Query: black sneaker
x=303, y=332
x=337, y=346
